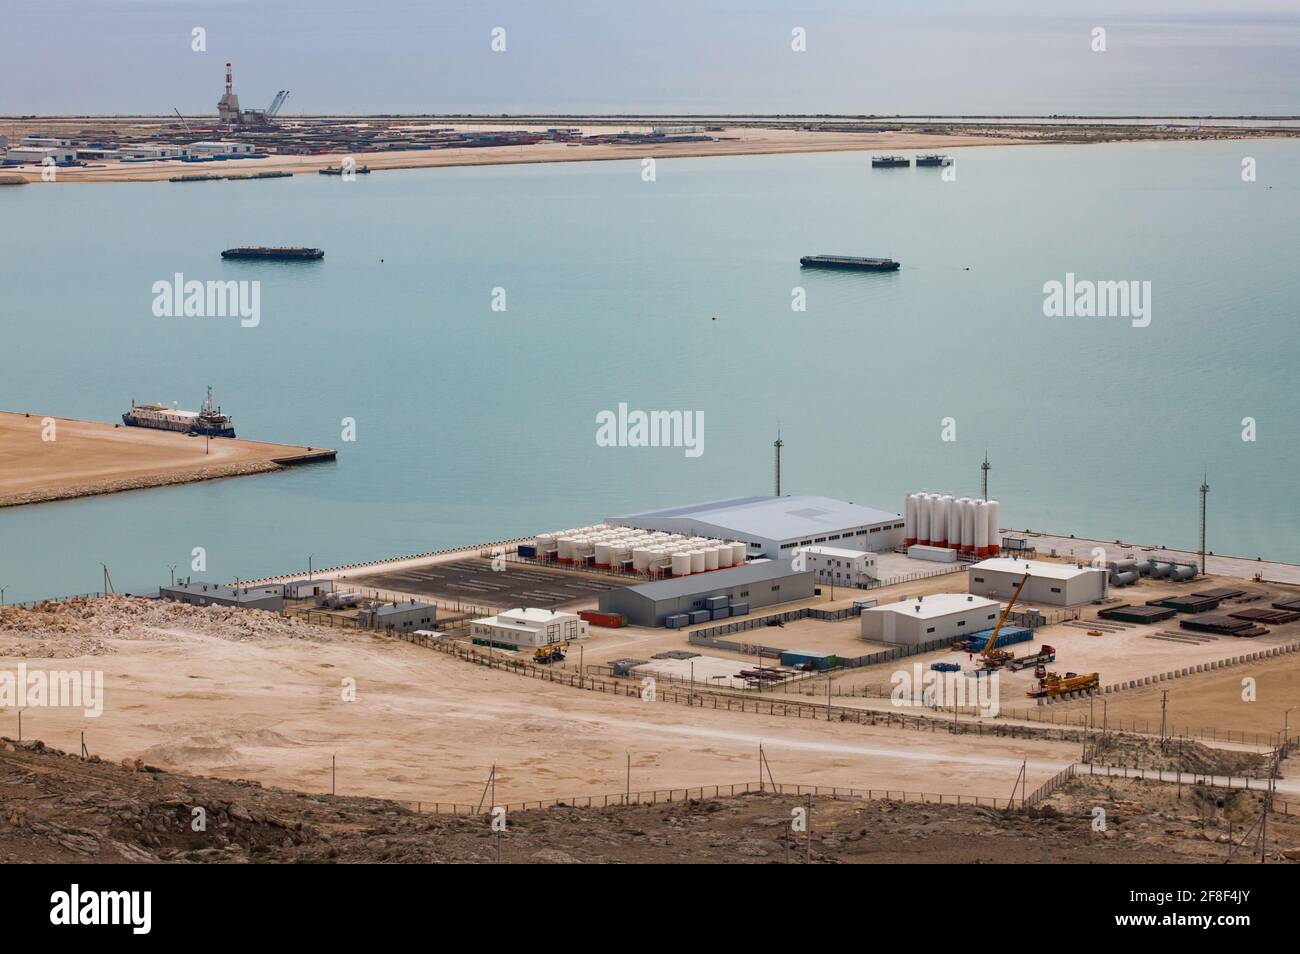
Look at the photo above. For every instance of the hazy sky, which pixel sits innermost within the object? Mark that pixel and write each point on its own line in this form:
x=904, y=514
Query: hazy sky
x=863, y=56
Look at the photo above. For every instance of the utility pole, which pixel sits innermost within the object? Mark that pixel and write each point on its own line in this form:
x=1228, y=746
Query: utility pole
x=778, y=444
x=1164, y=704
x=172, y=567
x=984, y=468
x=627, y=791
x=1205, y=490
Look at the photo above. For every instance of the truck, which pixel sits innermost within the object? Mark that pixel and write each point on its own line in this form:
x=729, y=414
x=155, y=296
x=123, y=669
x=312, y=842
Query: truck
x=1045, y=655
x=1053, y=685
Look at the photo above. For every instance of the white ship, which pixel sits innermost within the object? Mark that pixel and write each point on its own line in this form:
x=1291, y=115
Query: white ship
x=208, y=420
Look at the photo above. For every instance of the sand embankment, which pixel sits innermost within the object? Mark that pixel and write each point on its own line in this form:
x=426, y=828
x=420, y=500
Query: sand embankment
x=730, y=142
x=45, y=458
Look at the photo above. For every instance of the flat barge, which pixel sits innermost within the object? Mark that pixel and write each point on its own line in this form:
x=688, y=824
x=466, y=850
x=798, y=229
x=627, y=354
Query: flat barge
x=850, y=263
x=339, y=170
x=933, y=159
x=890, y=162
x=263, y=253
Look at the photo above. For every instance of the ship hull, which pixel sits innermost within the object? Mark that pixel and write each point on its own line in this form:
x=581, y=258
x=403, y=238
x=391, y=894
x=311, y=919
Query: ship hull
x=885, y=265
x=199, y=430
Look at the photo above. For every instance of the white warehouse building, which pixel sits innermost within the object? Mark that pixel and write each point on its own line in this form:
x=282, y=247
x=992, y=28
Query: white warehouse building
x=531, y=628
x=926, y=618
x=836, y=565
x=776, y=526
x=1050, y=584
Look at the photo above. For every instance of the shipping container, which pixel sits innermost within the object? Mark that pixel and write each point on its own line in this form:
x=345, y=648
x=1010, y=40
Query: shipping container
x=699, y=616
x=739, y=609
x=1009, y=635
x=803, y=659
x=596, y=618
x=528, y=550
x=722, y=612
x=714, y=602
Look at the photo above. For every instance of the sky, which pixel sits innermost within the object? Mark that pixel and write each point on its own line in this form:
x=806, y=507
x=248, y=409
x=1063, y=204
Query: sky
x=1162, y=57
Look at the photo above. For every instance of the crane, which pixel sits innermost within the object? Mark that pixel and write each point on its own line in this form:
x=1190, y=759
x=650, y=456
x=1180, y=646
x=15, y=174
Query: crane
x=182, y=119
x=990, y=656
x=276, y=103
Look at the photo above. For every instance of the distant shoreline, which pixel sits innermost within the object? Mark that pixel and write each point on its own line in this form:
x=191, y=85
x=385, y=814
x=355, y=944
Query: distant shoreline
x=783, y=136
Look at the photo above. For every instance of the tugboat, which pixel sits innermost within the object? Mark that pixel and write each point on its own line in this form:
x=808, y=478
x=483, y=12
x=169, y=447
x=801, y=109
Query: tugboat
x=207, y=421
x=849, y=262
x=890, y=162
x=264, y=253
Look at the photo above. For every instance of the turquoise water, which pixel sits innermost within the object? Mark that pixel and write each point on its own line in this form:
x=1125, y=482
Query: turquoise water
x=475, y=425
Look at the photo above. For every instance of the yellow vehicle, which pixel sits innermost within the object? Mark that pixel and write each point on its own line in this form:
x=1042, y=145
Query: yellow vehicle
x=551, y=652
x=990, y=657
x=1053, y=685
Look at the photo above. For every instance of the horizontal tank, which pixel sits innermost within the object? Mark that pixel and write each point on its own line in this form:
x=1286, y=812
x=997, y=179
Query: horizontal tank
x=1160, y=570
x=1123, y=577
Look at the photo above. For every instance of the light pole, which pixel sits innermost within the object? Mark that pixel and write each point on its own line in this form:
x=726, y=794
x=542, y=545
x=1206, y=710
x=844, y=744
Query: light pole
x=1286, y=716
x=309, y=559
x=172, y=567
x=2, y=595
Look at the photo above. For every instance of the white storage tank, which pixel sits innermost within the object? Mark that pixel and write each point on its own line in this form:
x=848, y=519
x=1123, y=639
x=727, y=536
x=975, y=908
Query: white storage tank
x=545, y=543
x=923, y=520
x=909, y=520
x=681, y=564
x=981, y=528
x=995, y=532
x=565, y=546
x=711, y=557
x=724, y=555
x=939, y=522
x=603, y=551
x=739, y=553
x=641, y=559
x=967, y=525
x=954, y=522
x=697, y=561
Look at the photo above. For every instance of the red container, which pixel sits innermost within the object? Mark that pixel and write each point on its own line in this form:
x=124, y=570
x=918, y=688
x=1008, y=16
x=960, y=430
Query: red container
x=613, y=620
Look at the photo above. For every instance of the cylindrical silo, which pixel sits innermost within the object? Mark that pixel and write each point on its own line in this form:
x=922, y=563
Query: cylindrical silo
x=739, y=553
x=711, y=557
x=603, y=551
x=981, y=528
x=641, y=559
x=967, y=525
x=953, y=523
x=923, y=509
x=995, y=532
x=565, y=546
x=681, y=564
x=939, y=527
x=724, y=555
x=697, y=561
x=545, y=543
x=909, y=520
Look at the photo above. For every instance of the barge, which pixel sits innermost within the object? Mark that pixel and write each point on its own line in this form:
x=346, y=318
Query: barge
x=339, y=170
x=933, y=159
x=207, y=421
x=264, y=253
x=849, y=262
x=890, y=162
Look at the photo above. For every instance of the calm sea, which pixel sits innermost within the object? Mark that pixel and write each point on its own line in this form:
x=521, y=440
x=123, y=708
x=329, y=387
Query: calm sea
x=474, y=424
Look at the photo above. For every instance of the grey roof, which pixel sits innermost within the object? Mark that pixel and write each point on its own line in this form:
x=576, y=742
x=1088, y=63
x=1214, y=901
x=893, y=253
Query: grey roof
x=718, y=579
x=389, y=608
x=773, y=518
x=223, y=592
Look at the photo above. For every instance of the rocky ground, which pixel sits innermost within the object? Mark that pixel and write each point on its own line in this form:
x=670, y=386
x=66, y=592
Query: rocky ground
x=1182, y=755
x=79, y=627
x=58, y=808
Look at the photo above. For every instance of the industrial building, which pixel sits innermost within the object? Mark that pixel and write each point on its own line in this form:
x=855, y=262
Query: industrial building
x=725, y=593
x=198, y=593
x=775, y=526
x=528, y=628
x=1050, y=584
x=405, y=617
x=38, y=155
x=838, y=566
x=926, y=618
x=224, y=148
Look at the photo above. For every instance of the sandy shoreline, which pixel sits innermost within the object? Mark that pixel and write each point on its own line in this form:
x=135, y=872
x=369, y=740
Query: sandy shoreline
x=88, y=458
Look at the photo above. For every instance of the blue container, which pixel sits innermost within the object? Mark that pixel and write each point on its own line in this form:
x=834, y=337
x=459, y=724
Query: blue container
x=1009, y=635
x=528, y=550
x=699, y=616
x=722, y=612
x=739, y=609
